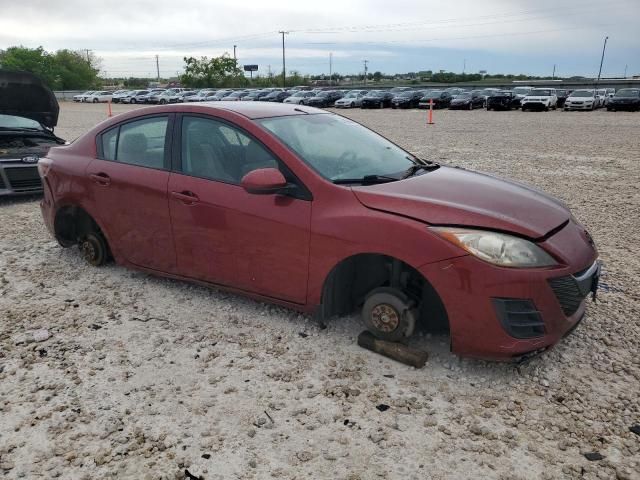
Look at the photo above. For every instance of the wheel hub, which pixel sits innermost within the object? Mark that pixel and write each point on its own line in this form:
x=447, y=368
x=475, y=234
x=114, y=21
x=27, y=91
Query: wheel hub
x=385, y=318
x=88, y=250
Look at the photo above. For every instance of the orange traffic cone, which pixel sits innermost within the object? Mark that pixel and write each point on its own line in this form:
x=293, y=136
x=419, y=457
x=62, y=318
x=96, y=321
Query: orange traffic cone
x=430, y=121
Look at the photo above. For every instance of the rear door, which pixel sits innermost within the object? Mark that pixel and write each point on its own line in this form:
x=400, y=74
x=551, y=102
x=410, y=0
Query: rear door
x=129, y=190
x=257, y=243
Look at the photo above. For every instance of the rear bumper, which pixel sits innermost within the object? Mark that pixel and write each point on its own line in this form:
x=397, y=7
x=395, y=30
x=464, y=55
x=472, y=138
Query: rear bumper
x=472, y=290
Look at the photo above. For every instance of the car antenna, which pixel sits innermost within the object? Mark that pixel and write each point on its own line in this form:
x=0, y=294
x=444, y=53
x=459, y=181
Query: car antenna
x=301, y=111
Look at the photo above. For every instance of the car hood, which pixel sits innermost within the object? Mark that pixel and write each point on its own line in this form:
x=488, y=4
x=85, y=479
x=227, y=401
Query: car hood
x=25, y=95
x=460, y=100
x=454, y=196
x=537, y=97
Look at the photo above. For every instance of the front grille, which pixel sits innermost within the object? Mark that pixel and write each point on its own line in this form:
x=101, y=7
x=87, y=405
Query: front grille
x=23, y=178
x=519, y=317
x=568, y=294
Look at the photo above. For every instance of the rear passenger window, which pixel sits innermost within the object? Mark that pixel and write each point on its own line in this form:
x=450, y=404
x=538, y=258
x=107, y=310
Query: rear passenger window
x=109, y=142
x=142, y=142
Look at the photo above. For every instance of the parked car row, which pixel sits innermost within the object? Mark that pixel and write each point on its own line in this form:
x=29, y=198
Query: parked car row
x=454, y=98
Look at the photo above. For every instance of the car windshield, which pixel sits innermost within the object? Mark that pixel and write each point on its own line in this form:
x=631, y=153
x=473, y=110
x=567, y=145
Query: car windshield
x=352, y=95
x=407, y=94
x=582, y=93
x=628, y=92
x=12, y=121
x=464, y=95
x=374, y=94
x=521, y=90
x=338, y=148
x=540, y=92
x=299, y=94
x=435, y=94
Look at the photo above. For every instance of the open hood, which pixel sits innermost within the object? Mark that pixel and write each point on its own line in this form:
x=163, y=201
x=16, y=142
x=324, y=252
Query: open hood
x=452, y=196
x=24, y=95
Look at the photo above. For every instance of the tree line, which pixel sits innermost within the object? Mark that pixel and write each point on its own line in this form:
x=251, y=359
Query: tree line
x=77, y=70
x=60, y=70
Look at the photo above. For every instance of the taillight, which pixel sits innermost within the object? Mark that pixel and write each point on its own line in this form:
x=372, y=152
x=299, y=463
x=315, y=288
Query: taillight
x=44, y=165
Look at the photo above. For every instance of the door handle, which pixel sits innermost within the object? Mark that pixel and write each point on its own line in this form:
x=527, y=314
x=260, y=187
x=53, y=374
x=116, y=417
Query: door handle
x=100, y=178
x=186, y=197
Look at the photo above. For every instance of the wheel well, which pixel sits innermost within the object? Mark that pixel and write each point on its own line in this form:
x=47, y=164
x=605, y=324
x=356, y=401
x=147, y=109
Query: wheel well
x=71, y=223
x=350, y=281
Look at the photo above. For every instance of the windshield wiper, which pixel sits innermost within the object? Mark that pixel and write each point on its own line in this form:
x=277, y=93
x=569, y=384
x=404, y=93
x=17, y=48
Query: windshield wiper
x=413, y=169
x=366, y=180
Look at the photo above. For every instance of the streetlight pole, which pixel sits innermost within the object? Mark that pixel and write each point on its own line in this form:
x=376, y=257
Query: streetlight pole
x=604, y=47
x=365, y=71
x=284, y=69
x=330, y=68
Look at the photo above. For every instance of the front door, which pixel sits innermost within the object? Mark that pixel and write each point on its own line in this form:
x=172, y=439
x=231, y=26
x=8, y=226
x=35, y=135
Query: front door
x=129, y=191
x=257, y=243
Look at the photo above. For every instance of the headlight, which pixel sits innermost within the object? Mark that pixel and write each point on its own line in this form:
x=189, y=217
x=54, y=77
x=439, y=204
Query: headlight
x=497, y=248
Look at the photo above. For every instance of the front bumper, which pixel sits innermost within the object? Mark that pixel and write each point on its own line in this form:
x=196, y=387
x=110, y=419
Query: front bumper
x=469, y=288
x=18, y=178
x=459, y=106
x=579, y=106
x=534, y=105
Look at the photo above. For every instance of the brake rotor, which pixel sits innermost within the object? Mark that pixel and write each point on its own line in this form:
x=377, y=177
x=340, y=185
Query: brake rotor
x=385, y=318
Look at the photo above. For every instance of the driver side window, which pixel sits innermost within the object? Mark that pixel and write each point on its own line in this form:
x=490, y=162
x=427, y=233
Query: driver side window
x=215, y=150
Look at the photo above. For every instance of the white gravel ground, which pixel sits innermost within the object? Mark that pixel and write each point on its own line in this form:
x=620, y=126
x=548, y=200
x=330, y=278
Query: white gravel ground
x=142, y=377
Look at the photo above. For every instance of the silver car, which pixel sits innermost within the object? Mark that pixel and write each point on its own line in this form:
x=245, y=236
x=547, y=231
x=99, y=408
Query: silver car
x=352, y=99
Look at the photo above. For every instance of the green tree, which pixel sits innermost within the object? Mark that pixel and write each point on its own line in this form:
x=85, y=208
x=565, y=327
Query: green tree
x=377, y=76
x=33, y=60
x=73, y=72
x=62, y=70
x=212, y=72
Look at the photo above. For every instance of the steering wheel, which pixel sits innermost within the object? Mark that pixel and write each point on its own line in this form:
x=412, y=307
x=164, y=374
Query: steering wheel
x=346, y=161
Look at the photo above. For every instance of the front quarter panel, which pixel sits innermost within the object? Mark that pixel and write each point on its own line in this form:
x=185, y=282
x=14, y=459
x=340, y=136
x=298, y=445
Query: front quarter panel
x=342, y=227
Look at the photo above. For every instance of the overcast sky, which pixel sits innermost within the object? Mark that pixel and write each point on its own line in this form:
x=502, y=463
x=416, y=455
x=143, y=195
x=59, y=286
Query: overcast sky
x=499, y=36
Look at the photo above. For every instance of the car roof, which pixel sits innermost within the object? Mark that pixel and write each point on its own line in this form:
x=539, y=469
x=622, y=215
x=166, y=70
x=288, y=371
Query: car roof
x=251, y=110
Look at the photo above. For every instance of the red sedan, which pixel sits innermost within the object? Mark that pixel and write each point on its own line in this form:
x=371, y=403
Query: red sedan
x=307, y=209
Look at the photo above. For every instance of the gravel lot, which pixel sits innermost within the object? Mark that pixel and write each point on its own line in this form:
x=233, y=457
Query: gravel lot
x=142, y=377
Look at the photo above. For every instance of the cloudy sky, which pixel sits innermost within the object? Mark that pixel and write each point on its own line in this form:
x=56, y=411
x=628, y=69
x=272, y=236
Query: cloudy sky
x=499, y=36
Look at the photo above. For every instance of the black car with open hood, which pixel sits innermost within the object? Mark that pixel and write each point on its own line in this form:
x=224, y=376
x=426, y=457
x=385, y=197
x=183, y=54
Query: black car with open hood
x=28, y=114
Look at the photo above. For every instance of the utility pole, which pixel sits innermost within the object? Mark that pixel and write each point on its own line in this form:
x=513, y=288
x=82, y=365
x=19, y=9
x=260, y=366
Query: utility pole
x=365, y=71
x=625, y=71
x=158, y=67
x=88, y=58
x=464, y=66
x=604, y=47
x=284, y=68
x=553, y=75
x=234, y=52
x=330, y=68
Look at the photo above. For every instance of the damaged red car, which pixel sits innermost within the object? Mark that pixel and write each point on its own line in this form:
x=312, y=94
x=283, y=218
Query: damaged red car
x=307, y=209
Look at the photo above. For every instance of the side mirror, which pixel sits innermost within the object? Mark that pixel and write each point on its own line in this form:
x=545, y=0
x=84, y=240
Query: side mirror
x=264, y=181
